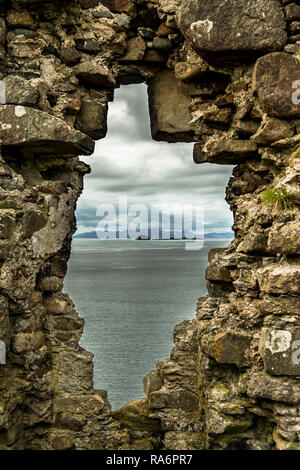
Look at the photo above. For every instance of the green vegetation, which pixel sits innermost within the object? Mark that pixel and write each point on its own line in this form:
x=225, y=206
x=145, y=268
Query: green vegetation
x=296, y=153
x=279, y=197
x=6, y=205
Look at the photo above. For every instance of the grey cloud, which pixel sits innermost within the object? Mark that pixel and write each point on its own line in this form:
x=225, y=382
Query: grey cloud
x=136, y=122
x=128, y=162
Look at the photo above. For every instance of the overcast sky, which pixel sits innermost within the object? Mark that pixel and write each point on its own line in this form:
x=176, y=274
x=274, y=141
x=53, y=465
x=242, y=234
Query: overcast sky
x=129, y=163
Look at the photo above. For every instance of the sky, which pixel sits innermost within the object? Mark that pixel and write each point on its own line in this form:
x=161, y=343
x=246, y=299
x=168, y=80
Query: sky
x=128, y=163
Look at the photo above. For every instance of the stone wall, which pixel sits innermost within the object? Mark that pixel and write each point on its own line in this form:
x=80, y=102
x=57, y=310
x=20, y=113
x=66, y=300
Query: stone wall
x=222, y=75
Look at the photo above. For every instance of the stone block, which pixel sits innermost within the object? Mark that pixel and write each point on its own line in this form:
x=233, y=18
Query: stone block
x=86, y=4
x=120, y=6
x=169, y=101
x=152, y=382
x=74, y=371
x=271, y=131
x=218, y=423
x=225, y=152
x=87, y=45
x=136, y=415
x=55, y=305
x=69, y=55
x=62, y=442
x=25, y=342
x=280, y=306
x=35, y=131
x=94, y=74
x=283, y=279
x=92, y=119
x=135, y=51
x=59, y=266
x=263, y=386
x=217, y=272
x=280, y=350
x=19, y=91
x=33, y=221
x=7, y=225
x=182, y=440
x=102, y=14
x=274, y=79
x=20, y=19
x=51, y=284
x=185, y=336
x=292, y=12
x=254, y=242
x=162, y=44
x=77, y=404
x=285, y=238
x=233, y=30
x=230, y=347
x=164, y=30
x=3, y=32
x=181, y=399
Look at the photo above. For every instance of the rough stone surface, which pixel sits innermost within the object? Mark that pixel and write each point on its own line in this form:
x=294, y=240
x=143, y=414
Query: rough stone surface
x=273, y=80
x=232, y=378
x=89, y=3
x=278, y=389
x=94, y=74
x=226, y=152
x=29, y=129
x=169, y=108
x=92, y=119
x=284, y=238
x=280, y=350
x=230, y=348
x=292, y=12
x=122, y=6
x=136, y=415
x=271, y=131
x=135, y=51
x=19, y=92
x=233, y=29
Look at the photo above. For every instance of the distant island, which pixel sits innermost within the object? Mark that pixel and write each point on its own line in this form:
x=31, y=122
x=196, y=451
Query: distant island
x=219, y=235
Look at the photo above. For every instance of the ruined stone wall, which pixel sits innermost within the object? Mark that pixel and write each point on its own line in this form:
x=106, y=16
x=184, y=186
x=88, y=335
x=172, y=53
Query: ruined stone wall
x=222, y=74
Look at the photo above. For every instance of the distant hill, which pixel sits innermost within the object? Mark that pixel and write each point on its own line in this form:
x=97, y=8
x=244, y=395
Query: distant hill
x=85, y=235
x=221, y=235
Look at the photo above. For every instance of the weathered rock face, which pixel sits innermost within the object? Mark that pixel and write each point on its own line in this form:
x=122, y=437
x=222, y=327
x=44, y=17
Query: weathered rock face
x=225, y=152
x=93, y=73
x=232, y=30
x=169, y=101
x=232, y=378
x=29, y=129
x=92, y=118
x=272, y=131
x=230, y=347
x=275, y=81
x=280, y=351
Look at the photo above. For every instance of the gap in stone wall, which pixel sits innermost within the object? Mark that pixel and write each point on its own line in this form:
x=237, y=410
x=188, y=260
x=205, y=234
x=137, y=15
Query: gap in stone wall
x=132, y=293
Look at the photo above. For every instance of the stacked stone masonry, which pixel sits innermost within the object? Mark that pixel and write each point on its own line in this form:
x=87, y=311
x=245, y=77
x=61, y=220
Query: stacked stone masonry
x=220, y=74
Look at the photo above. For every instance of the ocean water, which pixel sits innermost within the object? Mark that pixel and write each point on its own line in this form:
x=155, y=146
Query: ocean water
x=131, y=295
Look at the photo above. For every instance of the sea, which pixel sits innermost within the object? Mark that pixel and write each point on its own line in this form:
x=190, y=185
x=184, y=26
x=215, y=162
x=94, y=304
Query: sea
x=131, y=294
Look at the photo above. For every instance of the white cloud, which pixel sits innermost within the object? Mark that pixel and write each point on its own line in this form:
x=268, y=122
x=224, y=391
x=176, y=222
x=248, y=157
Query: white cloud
x=129, y=163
